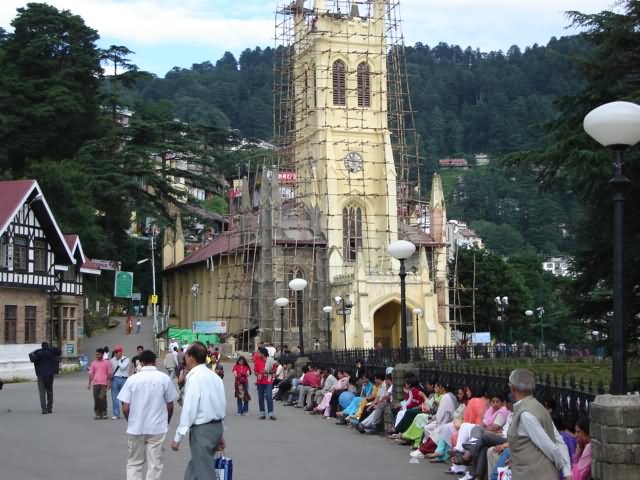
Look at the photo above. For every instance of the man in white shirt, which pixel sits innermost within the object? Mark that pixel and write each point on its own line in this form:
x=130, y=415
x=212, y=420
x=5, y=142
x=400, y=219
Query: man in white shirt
x=173, y=343
x=203, y=410
x=271, y=349
x=120, y=369
x=147, y=403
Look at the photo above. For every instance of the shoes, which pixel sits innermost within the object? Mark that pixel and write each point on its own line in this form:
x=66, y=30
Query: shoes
x=49, y=410
x=467, y=476
x=105, y=417
x=97, y=417
x=360, y=428
x=416, y=454
x=395, y=435
x=44, y=412
x=115, y=418
x=272, y=417
x=262, y=417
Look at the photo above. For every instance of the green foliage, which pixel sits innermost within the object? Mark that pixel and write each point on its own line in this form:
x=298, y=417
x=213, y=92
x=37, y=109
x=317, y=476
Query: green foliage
x=216, y=204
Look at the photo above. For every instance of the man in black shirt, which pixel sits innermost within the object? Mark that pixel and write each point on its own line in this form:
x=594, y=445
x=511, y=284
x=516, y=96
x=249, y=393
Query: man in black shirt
x=46, y=361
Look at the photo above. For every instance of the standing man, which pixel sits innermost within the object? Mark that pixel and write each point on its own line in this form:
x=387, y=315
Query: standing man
x=203, y=409
x=135, y=365
x=537, y=449
x=120, y=367
x=147, y=403
x=100, y=377
x=263, y=369
x=46, y=362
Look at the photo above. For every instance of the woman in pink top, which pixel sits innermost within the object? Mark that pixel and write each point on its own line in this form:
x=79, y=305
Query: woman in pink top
x=475, y=409
x=582, y=459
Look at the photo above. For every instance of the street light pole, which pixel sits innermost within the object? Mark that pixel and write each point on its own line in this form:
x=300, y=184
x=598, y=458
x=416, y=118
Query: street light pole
x=417, y=312
x=616, y=125
x=401, y=250
x=282, y=302
x=154, y=304
x=298, y=285
x=327, y=310
x=501, y=306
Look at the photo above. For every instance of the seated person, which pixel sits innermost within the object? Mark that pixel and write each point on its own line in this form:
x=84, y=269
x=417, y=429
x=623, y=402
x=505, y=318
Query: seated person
x=327, y=383
x=353, y=407
x=384, y=397
x=293, y=392
x=415, y=402
x=443, y=416
x=339, y=385
x=582, y=458
x=310, y=382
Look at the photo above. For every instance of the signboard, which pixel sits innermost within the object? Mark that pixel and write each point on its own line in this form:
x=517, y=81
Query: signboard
x=136, y=296
x=105, y=264
x=287, y=177
x=123, y=285
x=209, y=326
x=344, y=311
x=481, y=337
x=69, y=348
x=154, y=299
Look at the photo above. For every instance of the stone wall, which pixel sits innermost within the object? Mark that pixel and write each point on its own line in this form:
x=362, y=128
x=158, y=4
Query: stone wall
x=615, y=433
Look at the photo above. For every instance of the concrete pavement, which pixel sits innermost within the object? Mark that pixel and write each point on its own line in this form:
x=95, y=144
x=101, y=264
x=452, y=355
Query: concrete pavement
x=70, y=445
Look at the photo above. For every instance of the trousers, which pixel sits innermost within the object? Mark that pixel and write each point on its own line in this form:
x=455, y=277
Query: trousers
x=100, y=400
x=203, y=440
x=116, y=385
x=145, y=449
x=264, y=394
x=45, y=389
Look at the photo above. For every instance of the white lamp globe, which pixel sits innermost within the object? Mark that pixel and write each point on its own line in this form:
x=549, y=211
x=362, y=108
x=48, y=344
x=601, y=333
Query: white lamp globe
x=401, y=249
x=529, y=313
x=417, y=312
x=327, y=309
x=614, y=123
x=298, y=284
x=338, y=300
x=282, y=302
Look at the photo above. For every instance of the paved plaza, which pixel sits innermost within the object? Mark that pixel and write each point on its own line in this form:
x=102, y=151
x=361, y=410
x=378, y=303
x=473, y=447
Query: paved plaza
x=70, y=445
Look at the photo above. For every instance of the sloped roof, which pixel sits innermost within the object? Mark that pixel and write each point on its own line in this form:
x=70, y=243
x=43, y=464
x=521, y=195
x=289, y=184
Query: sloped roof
x=14, y=194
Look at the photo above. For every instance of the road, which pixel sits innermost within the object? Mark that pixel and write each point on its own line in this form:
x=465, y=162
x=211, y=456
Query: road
x=70, y=445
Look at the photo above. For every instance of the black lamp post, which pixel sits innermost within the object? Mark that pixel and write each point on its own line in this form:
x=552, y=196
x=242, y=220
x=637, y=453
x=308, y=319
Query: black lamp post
x=327, y=310
x=282, y=302
x=418, y=313
x=298, y=285
x=616, y=125
x=401, y=250
x=501, y=306
x=344, y=311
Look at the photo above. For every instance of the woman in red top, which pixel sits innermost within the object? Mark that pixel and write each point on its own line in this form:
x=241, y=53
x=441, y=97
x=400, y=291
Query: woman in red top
x=241, y=372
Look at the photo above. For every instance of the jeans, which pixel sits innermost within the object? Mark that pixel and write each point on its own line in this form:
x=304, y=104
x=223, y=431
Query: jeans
x=264, y=393
x=243, y=405
x=116, y=385
x=45, y=389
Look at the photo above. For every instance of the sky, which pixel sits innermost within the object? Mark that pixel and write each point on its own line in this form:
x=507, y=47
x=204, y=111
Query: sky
x=168, y=33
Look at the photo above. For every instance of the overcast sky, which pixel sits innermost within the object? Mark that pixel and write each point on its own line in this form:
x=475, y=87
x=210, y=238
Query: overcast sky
x=168, y=33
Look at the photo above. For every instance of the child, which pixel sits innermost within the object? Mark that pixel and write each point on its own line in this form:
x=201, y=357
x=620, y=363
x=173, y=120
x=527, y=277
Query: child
x=242, y=398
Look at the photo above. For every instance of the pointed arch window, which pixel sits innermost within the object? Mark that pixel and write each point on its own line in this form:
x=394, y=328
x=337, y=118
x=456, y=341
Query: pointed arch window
x=296, y=300
x=364, y=85
x=352, y=231
x=339, y=83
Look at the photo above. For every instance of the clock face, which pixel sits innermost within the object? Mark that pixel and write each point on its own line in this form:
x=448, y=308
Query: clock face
x=353, y=162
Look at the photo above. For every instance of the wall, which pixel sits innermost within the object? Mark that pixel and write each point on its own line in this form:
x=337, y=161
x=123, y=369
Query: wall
x=14, y=361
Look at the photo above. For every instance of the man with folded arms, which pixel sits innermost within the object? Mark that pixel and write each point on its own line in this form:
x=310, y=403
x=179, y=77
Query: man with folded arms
x=147, y=404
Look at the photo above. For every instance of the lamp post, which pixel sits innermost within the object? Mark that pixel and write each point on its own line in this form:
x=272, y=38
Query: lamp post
x=282, y=303
x=616, y=125
x=298, y=285
x=344, y=311
x=418, y=313
x=195, y=290
x=327, y=309
x=501, y=306
x=154, y=301
x=401, y=250
x=539, y=313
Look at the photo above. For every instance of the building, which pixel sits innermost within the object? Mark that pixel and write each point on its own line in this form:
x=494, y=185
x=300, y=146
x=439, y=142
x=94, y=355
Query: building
x=461, y=236
x=41, y=272
x=340, y=190
x=448, y=163
x=559, y=266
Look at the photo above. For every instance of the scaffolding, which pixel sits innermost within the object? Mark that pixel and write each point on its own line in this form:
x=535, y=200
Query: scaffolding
x=341, y=182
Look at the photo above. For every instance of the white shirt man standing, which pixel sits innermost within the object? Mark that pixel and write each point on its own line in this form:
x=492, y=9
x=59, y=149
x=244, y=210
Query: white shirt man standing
x=147, y=403
x=203, y=410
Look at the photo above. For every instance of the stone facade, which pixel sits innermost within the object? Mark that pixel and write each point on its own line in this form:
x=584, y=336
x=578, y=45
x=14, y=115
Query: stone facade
x=22, y=298
x=615, y=434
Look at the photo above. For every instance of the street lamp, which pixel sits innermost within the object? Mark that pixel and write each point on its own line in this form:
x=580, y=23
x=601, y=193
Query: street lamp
x=298, y=285
x=616, y=125
x=282, y=303
x=327, y=309
x=418, y=313
x=344, y=311
x=401, y=250
x=501, y=306
x=195, y=290
x=539, y=313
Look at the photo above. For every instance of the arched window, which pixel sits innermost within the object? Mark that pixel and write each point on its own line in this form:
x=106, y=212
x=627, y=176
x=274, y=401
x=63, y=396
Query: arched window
x=339, y=83
x=352, y=231
x=296, y=301
x=364, y=85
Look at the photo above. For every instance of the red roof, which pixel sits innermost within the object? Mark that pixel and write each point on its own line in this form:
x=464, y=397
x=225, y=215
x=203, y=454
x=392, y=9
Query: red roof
x=225, y=242
x=453, y=162
x=13, y=195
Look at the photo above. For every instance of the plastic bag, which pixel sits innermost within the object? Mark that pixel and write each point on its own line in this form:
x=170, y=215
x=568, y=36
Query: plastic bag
x=504, y=473
x=223, y=467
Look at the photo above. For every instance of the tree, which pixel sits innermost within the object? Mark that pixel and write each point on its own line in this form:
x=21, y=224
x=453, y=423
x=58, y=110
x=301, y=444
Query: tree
x=49, y=83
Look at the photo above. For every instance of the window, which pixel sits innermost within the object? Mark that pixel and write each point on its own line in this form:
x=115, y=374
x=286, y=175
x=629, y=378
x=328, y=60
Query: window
x=10, y=321
x=30, y=324
x=40, y=256
x=20, y=249
x=296, y=304
x=364, y=86
x=352, y=231
x=70, y=274
x=4, y=251
x=69, y=323
x=339, y=83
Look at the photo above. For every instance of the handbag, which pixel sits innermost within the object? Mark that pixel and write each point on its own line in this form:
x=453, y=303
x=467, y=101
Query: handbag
x=223, y=467
x=504, y=473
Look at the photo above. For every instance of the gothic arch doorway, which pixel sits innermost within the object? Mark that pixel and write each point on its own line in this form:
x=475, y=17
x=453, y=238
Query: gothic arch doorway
x=386, y=325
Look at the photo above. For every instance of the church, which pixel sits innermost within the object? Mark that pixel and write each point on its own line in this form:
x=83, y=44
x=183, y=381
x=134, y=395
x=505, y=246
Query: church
x=342, y=184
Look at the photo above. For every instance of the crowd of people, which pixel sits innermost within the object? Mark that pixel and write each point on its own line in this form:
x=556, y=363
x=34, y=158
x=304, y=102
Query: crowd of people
x=477, y=434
